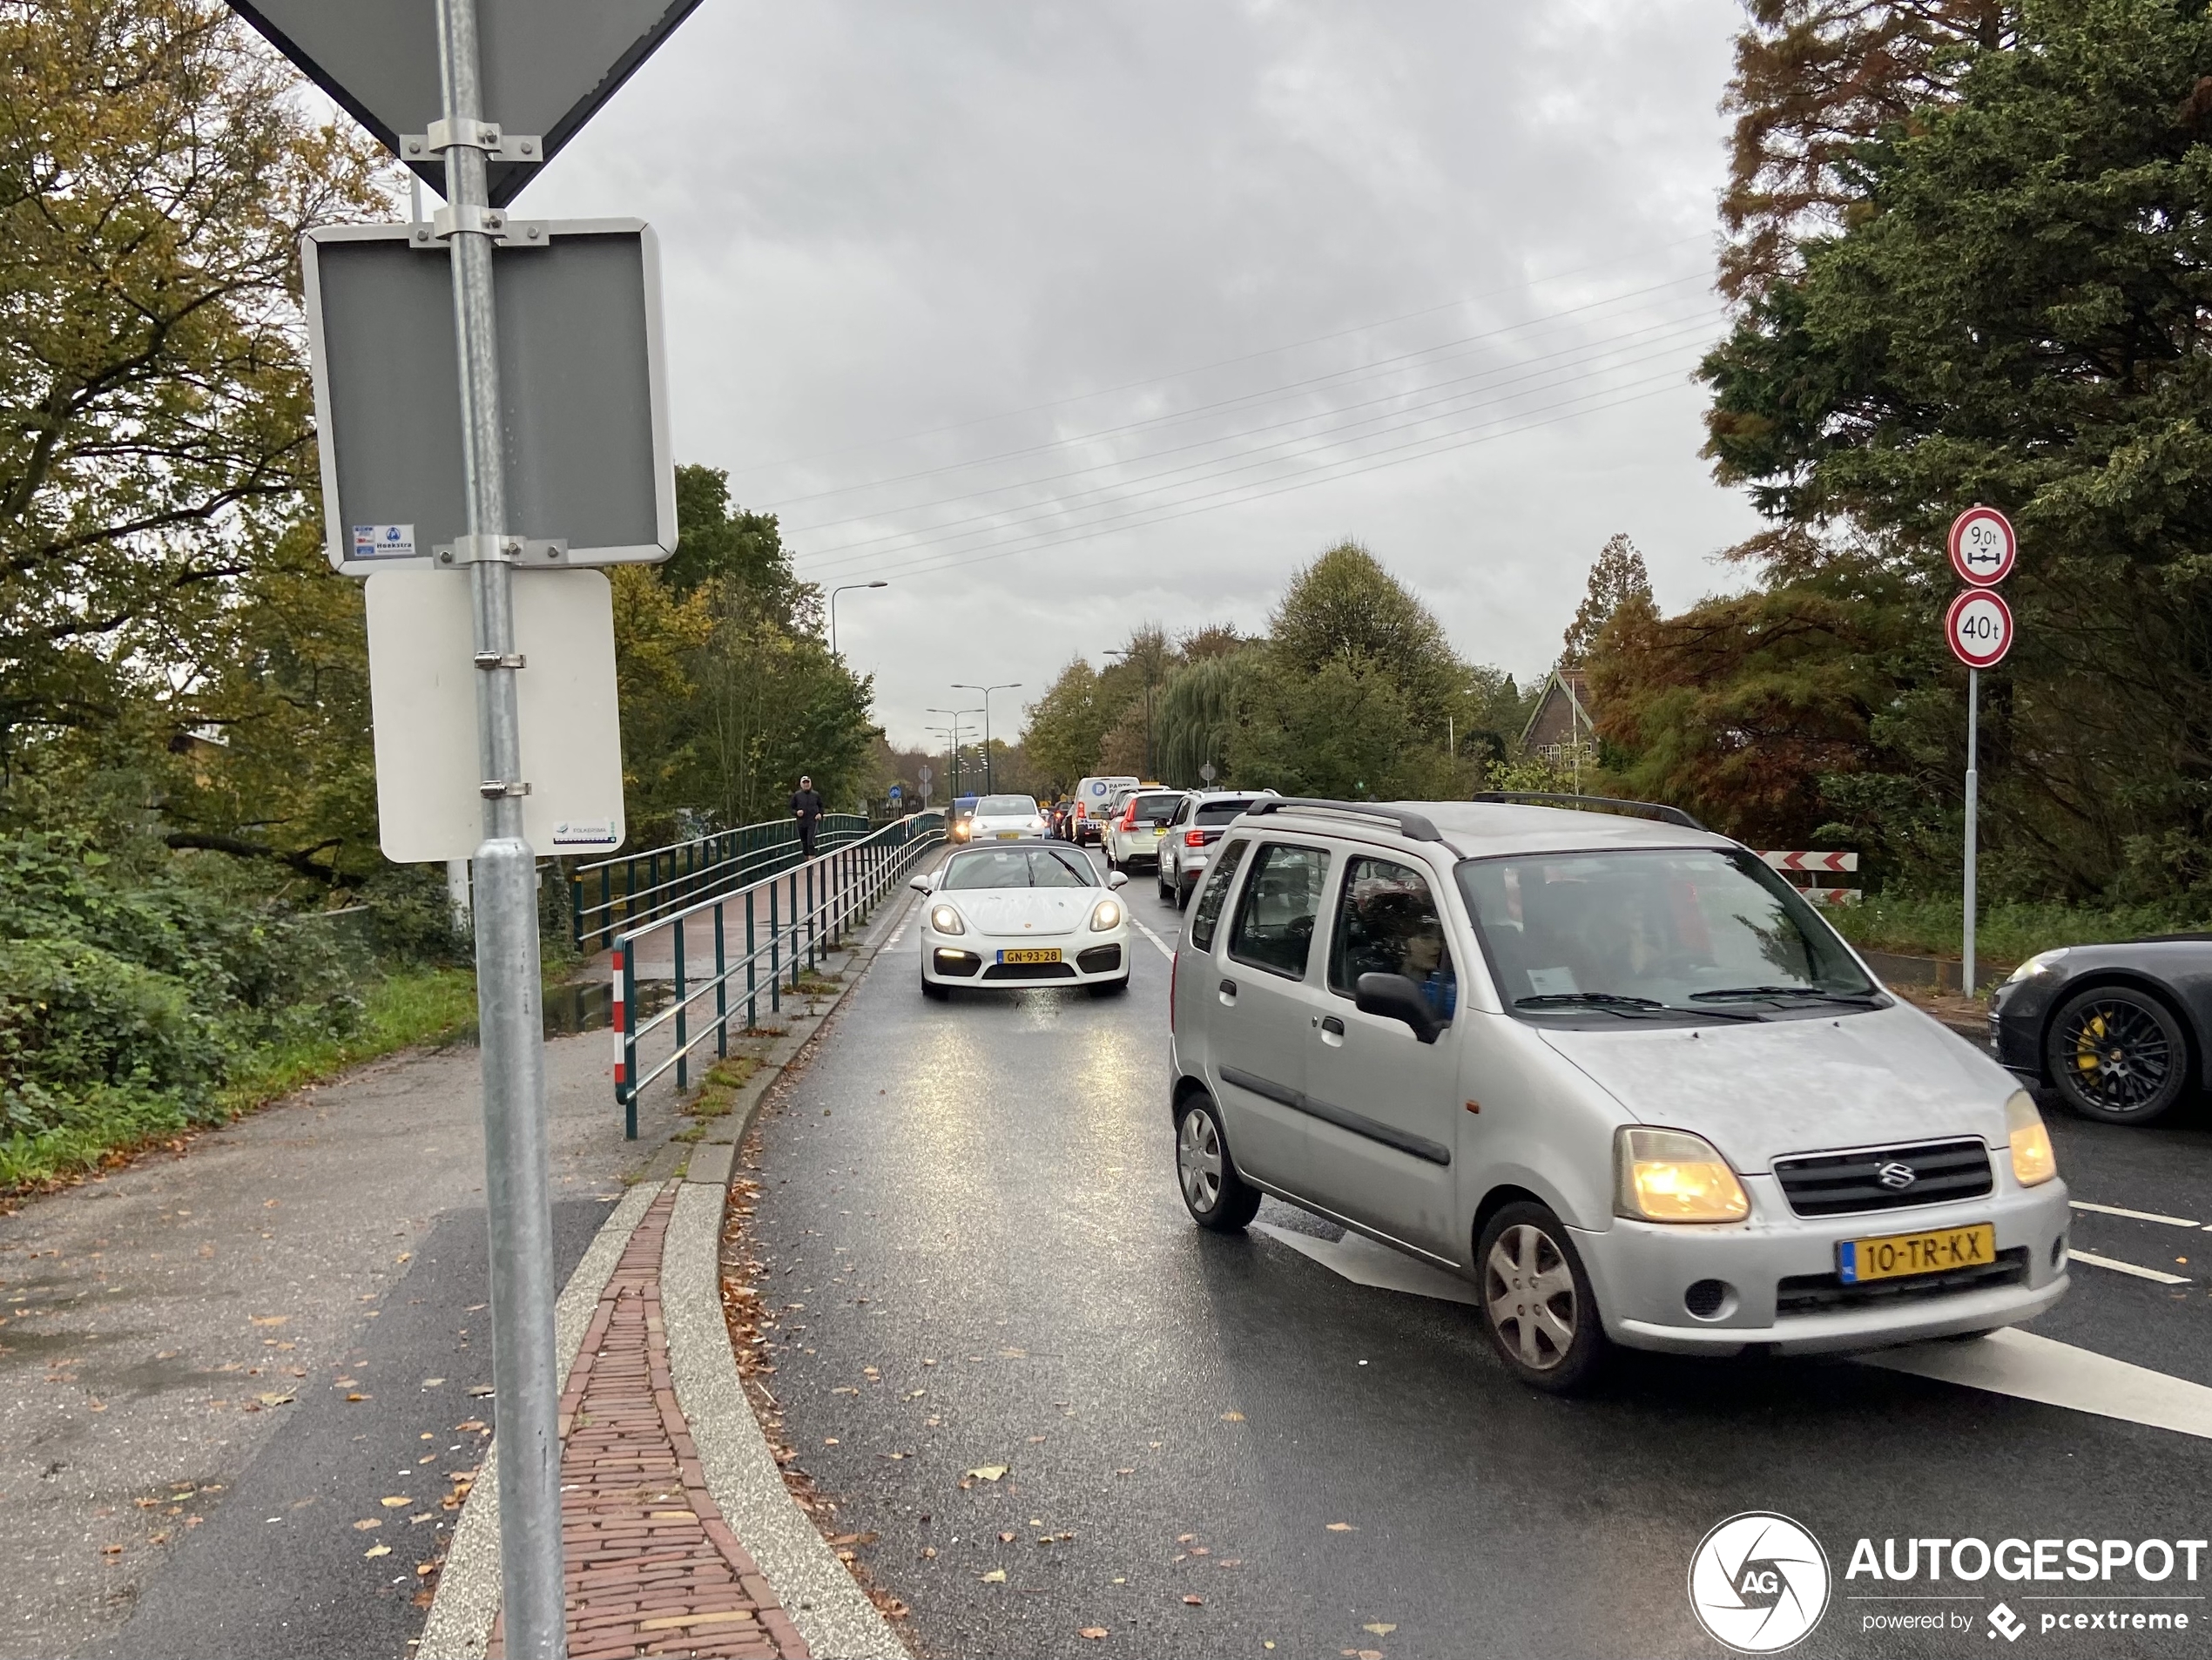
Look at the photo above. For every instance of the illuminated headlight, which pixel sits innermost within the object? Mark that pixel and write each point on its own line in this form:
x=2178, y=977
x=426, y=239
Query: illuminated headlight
x=1107, y=915
x=2033, y=1161
x=946, y=919
x=2041, y=963
x=1672, y=1176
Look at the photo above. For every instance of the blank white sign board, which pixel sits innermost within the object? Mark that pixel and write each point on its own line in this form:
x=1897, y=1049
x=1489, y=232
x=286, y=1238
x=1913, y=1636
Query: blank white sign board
x=422, y=695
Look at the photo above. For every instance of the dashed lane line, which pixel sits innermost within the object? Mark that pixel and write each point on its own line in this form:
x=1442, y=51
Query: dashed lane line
x=2012, y=1362
x=2138, y=1216
x=2119, y=1267
x=1166, y=950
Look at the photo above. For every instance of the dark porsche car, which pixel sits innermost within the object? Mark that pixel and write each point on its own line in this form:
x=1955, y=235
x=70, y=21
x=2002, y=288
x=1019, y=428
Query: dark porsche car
x=2118, y=1032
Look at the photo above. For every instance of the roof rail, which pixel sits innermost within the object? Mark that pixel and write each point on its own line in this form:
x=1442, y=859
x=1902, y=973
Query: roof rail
x=1416, y=826
x=1658, y=810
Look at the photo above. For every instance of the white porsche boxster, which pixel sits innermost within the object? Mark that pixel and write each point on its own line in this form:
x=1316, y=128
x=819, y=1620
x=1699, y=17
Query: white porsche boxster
x=1025, y=913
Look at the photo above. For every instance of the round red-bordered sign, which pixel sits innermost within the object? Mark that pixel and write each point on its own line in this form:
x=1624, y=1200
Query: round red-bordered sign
x=1979, y=627
x=1983, y=547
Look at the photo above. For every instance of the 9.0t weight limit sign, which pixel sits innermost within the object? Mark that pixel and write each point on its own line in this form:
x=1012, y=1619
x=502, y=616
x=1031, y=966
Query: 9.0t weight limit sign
x=1979, y=627
x=1983, y=547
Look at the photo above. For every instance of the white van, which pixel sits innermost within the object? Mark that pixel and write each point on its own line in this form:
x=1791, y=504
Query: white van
x=1086, y=819
x=1616, y=1073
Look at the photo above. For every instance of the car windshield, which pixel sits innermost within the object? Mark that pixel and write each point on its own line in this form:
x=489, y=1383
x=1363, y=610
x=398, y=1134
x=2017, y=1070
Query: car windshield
x=1041, y=867
x=1221, y=812
x=1706, y=930
x=1006, y=807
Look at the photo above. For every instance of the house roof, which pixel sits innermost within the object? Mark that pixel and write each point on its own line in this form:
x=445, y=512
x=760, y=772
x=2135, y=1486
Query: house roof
x=1574, y=686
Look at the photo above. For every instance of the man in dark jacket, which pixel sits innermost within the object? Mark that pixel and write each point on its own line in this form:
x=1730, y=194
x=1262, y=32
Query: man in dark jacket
x=806, y=807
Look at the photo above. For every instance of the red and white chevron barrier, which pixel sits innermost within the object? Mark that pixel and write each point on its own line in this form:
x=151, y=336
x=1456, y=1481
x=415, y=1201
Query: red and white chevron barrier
x=1846, y=862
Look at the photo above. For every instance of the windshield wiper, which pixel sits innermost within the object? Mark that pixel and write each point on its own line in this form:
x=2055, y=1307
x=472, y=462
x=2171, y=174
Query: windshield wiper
x=1627, y=1008
x=1865, y=999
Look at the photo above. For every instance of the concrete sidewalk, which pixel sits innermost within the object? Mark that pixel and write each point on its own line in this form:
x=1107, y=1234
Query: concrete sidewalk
x=246, y=1390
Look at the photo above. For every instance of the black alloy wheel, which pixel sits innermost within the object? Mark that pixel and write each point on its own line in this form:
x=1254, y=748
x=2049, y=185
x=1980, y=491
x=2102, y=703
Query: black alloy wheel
x=2118, y=1055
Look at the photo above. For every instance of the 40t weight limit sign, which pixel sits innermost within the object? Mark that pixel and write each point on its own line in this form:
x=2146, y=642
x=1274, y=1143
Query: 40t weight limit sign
x=1980, y=628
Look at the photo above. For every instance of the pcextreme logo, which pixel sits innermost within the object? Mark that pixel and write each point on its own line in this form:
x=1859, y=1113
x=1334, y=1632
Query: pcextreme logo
x=1758, y=1583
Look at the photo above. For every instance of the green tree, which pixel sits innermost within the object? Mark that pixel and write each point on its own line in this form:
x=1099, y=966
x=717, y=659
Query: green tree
x=1066, y=730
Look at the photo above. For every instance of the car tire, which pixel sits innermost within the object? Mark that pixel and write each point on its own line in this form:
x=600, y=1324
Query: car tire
x=1217, y=1198
x=1183, y=894
x=1535, y=1300
x=935, y=992
x=1108, y=988
x=2117, y=1055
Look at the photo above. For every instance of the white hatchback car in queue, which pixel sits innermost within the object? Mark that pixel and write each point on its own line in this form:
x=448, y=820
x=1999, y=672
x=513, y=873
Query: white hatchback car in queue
x=1011, y=913
x=1617, y=1073
x=1006, y=818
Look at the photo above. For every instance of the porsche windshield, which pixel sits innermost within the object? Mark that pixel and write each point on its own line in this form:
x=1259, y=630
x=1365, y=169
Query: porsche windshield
x=1664, y=932
x=1038, y=868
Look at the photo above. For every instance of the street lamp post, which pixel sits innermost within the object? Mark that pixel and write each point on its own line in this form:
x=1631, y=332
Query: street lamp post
x=844, y=589
x=956, y=715
x=990, y=784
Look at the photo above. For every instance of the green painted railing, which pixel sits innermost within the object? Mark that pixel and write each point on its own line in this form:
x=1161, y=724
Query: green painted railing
x=612, y=895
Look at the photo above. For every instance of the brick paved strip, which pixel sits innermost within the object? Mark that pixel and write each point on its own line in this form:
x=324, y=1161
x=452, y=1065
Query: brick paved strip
x=651, y=1567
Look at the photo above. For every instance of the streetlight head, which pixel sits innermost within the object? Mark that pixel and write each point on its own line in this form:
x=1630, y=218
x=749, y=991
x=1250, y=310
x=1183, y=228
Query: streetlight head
x=878, y=585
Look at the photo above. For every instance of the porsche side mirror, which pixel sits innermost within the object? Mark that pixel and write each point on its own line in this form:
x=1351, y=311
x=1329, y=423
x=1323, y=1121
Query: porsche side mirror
x=1393, y=997
x=923, y=884
x=1118, y=879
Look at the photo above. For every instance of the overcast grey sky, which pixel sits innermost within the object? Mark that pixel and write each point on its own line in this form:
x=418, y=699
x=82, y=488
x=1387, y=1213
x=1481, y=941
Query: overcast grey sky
x=1064, y=317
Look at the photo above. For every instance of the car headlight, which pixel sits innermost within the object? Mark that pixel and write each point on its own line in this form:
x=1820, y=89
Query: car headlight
x=2041, y=963
x=946, y=919
x=2033, y=1160
x=1672, y=1176
x=1107, y=914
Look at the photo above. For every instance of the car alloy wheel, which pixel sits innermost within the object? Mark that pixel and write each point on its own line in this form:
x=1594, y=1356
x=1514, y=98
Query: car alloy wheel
x=1212, y=1191
x=2118, y=1055
x=1537, y=1301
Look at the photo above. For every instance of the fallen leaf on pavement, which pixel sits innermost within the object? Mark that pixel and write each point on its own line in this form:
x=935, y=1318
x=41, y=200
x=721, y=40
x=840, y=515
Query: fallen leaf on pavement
x=1232, y=1417
x=1094, y=1632
x=111, y=1550
x=1379, y=1630
x=270, y=1320
x=1342, y=1527
x=1006, y=1539
x=432, y=1383
x=989, y=1472
x=929, y=1552
x=397, y=1501
x=364, y=1525
x=1195, y=1602
x=1185, y=1538
x=377, y=1550
x=276, y=1400
x=355, y=1395
x=996, y=1576
x=1131, y=1470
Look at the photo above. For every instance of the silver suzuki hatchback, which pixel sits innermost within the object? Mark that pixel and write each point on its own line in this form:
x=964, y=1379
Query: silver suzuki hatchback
x=1616, y=1072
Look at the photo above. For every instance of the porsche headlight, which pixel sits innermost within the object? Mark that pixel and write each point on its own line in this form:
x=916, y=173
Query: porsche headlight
x=2033, y=1160
x=1672, y=1176
x=946, y=919
x=2041, y=963
x=1107, y=914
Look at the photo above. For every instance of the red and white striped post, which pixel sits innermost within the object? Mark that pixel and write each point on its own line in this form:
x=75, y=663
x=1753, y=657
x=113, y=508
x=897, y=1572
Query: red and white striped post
x=619, y=1020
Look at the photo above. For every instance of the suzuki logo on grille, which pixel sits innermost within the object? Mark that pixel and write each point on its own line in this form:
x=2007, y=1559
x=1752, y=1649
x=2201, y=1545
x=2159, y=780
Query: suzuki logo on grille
x=1896, y=1176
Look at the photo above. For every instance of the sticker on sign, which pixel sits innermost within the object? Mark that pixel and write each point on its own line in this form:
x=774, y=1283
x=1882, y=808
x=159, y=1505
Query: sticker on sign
x=1983, y=547
x=1980, y=628
x=383, y=541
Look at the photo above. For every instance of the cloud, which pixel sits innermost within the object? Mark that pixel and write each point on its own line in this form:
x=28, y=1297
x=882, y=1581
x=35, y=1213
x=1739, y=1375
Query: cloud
x=1172, y=296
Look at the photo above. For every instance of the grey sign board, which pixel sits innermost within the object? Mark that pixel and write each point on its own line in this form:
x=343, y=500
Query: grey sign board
x=582, y=387
x=548, y=64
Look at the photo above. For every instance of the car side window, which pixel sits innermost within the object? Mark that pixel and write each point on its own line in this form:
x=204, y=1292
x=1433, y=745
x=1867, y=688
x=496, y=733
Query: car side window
x=1206, y=913
x=1274, y=925
x=1387, y=922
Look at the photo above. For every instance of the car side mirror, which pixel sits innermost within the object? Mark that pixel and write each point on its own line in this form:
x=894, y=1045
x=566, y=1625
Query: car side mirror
x=1118, y=879
x=1392, y=997
x=923, y=884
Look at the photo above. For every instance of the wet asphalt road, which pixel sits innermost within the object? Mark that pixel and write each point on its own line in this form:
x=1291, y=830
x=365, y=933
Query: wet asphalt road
x=1214, y=1445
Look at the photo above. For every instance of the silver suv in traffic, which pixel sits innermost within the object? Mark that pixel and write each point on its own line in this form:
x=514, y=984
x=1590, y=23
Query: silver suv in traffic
x=1615, y=1072
x=1189, y=839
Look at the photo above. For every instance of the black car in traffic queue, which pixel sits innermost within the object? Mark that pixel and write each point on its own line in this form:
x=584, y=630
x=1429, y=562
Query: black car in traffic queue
x=2118, y=1032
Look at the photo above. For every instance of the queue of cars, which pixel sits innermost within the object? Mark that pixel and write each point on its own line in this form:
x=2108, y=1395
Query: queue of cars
x=1615, y=1072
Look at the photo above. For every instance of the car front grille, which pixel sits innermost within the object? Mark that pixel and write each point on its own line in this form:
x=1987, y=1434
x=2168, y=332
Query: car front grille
x=1099, y=959
x=1028, y=971
x=1825, y=1293
x=1839, y=1183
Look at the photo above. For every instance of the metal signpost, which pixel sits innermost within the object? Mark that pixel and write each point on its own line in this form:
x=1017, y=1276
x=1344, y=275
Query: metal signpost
x=924, y=775
x=1979, y=626
x=474, y=95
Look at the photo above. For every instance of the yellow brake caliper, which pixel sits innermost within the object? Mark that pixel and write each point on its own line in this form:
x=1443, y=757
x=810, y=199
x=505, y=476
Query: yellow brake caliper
x=2086, y=1058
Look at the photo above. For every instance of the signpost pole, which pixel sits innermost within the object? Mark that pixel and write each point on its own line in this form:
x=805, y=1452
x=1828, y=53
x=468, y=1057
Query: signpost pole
x=517, y=1187
x=1973, y=805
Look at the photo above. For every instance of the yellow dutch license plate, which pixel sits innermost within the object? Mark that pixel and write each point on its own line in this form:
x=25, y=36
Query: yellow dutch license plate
x=1159, y=829
x=1895, y=1255
x=1009, y=835
x=1039, y=954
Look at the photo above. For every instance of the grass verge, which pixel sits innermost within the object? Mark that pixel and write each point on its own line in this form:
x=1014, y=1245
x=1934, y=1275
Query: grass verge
x=2008, y=932
x=404, y=1009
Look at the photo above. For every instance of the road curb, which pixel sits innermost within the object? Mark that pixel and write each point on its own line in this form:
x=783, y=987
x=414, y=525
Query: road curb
x=468, y=1596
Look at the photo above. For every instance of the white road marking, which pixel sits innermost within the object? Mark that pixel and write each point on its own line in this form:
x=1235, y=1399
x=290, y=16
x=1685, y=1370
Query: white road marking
x=2139, y=1216
x=2119, y=1267
x=2007, y=1362
x=1166, y=950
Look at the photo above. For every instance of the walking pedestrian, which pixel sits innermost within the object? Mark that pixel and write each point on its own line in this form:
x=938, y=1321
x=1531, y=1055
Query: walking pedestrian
x=806, y=807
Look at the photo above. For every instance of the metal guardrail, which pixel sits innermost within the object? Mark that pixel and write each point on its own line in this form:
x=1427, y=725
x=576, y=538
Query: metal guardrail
x=686, y=872
x=801, y=910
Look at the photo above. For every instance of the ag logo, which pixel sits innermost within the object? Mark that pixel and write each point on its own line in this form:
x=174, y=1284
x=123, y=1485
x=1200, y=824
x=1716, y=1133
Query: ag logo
x=1758, y=1583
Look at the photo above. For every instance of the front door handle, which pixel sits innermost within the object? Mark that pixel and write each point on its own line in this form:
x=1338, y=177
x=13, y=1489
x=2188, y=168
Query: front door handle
x=1229, y=991
x=1331, y=1023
